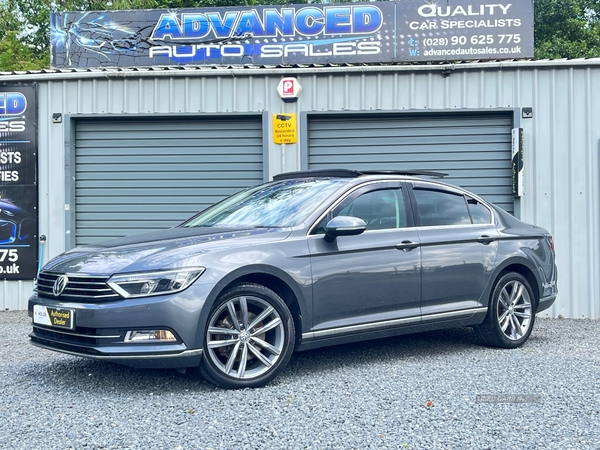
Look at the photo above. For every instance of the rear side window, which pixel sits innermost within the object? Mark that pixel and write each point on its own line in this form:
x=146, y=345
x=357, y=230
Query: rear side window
x=479, y=212
x=441, y=208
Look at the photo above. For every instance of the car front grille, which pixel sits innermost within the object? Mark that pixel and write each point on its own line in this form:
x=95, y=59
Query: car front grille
x=80, y=336
x=83, y=341
x=79, y=288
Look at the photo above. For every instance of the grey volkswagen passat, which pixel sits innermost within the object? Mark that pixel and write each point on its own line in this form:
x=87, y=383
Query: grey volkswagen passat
x=311, y=259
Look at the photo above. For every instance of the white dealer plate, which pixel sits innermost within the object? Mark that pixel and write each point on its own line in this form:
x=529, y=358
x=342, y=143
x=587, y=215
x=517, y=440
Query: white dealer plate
x=54, y=317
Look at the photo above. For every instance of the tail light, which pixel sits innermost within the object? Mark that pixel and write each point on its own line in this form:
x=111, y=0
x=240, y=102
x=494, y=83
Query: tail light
x=551, y=239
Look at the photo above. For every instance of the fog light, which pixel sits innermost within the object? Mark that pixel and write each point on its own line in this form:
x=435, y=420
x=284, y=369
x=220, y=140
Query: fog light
x=149, y=335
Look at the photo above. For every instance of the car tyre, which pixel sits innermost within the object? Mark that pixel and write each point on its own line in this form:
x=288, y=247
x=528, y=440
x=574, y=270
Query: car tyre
x=511, y=313
x=249, y=337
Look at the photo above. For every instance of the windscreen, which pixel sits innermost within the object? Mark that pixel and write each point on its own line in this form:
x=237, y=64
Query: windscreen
x=280, y=204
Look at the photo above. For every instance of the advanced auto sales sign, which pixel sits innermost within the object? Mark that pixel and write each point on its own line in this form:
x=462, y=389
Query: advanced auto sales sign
x=18, y=182
x=374, y=32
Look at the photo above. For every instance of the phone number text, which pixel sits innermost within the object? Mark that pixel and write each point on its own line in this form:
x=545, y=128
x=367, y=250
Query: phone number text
x=478, y=39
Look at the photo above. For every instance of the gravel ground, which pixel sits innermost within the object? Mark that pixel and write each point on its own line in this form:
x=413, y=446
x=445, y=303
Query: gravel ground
x=437, y=390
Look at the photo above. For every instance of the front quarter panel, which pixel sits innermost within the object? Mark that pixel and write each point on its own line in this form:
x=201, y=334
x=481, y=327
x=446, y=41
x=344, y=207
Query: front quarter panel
x=285, y=260
x=187, y=312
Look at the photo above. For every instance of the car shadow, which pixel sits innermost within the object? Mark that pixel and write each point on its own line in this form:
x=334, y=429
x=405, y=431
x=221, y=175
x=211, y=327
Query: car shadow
x=365, y=353
x=107, y=377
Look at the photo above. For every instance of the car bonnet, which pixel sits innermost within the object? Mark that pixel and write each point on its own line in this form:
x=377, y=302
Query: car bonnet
x=158, y=250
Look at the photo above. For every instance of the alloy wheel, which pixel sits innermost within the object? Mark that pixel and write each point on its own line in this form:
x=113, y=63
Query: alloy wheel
x=514, y=310
x=245, y=337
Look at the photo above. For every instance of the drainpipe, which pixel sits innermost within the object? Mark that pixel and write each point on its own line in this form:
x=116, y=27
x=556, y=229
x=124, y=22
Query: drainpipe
x=41, y=254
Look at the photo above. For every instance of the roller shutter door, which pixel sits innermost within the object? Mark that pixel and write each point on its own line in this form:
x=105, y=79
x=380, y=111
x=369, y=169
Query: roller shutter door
x=474, y=148
x=135, y=176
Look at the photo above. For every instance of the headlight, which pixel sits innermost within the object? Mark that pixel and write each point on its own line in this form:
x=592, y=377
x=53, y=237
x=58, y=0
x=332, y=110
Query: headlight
x=144, y=284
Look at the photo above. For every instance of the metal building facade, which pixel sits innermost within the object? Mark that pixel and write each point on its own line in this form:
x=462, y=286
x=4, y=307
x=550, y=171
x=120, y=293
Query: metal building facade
x=134, y=175
x=473, y=149
x=562, y=138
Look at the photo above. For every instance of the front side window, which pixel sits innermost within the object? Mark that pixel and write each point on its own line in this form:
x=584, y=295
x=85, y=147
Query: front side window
x=438, y=208
x=381, y=209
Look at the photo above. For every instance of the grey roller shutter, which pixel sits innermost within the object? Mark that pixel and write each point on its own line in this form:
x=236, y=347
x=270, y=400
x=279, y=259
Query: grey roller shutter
x=138, y=175
x=473, y=148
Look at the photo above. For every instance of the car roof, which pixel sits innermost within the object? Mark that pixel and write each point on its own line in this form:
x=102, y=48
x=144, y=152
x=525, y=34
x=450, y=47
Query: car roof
x=349, y=173
x=358, y=176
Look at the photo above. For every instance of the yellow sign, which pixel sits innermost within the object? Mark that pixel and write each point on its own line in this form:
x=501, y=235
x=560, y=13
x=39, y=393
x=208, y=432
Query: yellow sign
x=285, y=129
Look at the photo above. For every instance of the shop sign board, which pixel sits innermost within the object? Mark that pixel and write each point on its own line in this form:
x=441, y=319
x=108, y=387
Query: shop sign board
x=18, y=182
x=370, y=32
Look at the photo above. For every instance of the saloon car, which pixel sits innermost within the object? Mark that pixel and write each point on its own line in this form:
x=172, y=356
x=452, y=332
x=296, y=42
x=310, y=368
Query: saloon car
x=311, y=259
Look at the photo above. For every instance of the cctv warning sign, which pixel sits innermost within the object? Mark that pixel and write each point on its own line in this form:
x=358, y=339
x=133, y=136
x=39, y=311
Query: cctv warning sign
x=285, y=129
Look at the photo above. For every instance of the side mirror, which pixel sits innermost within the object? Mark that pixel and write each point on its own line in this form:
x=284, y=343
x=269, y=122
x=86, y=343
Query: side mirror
x=344, y=226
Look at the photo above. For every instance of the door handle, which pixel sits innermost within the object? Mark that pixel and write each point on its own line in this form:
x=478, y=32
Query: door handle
x=407, y=246
x=485, y=239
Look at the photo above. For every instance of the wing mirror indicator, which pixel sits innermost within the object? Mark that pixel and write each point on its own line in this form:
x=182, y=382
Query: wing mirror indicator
x=344, y=226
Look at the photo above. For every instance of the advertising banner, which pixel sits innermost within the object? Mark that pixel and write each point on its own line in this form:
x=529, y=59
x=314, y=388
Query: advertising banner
x=373, y=32
x=18, y=182
x=459, y=30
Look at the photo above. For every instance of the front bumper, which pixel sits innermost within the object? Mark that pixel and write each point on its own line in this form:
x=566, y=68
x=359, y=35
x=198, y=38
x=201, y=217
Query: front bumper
x=100, y=329
x=186, y=358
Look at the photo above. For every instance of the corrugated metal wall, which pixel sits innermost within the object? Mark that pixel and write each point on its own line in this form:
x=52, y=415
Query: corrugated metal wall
x=140, y=175
x=562, y=190
x=474, y=149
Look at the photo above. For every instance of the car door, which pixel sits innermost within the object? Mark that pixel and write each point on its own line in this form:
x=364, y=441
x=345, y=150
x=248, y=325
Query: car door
x=458, y=248
x=372, y=280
